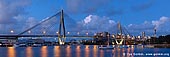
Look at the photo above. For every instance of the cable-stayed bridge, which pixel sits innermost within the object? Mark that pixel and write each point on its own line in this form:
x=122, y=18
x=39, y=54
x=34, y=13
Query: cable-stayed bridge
x=55, y=26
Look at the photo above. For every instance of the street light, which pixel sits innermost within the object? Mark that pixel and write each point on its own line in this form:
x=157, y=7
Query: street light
x=29, y=32
x=68, y=32
x=78, y=33
x=87, y=33
x=12, y=31
x=57, y=32
x=44, y=32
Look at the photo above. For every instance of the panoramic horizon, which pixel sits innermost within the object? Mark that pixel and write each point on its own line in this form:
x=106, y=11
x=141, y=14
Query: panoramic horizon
x=84, y=28
x=88, y=15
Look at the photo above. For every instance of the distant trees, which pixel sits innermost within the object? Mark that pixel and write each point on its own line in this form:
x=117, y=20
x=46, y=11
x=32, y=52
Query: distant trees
x=159, y=40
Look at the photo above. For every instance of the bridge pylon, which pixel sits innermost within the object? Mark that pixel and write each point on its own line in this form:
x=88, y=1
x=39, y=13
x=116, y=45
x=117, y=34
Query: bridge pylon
x=120, y=39
x=61, y=33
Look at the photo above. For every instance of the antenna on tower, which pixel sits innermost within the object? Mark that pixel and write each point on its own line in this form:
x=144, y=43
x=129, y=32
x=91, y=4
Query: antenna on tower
x=154, y=32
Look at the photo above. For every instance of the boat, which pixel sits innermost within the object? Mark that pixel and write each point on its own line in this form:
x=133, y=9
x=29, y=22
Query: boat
x=122, y=46
x=106, y=47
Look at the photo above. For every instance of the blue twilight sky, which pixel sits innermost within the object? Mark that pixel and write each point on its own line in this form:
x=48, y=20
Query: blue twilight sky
x=92, y=15
x=125, y=11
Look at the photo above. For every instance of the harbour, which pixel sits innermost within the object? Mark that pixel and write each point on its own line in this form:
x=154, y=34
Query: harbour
x=82, y=51
x=84, y=28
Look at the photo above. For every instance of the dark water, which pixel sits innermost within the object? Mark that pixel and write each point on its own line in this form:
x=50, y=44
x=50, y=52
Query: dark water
x=82, y=51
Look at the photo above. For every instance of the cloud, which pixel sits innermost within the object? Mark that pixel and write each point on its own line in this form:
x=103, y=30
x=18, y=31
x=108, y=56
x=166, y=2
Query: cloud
x=12, y=15
x=136, y=29
x=94, y=23
x=162, y=22
x=161, y=25
x=11, y=9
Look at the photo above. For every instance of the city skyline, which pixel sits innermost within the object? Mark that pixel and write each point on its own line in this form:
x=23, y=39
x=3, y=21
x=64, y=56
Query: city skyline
x=90, y=15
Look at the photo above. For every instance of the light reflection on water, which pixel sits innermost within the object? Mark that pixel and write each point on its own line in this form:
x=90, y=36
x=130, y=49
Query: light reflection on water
x=56, y=51
x=29, y=52
x=95, y=51
x=11, y=52
x=68, y=51
x=44, y=51
x=75, y=51
x=101, y=53
x=78, y=51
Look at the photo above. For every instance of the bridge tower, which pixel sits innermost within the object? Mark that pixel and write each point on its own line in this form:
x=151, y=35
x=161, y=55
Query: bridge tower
x=61, y=31
x=119, y=39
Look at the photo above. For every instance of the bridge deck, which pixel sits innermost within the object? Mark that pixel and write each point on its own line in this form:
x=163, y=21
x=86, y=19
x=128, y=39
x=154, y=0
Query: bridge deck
x=17, y=36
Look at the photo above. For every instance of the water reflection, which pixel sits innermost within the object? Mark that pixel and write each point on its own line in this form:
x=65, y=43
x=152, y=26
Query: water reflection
x=113, y=53
x=87, y=51
x=118, y=51
x=56, y=51
x=29, y=52
x=128, y=51
x=123, y=51
x=95, y=51
x=132, y=51
x=75, y=51
x=68, y=51
x=78, y=51
x=11, y=52
x=44, y=51
x=101, y=53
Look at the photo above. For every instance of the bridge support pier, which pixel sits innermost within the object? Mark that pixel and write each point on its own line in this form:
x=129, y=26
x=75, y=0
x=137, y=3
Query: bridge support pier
x=61, y=40
x=119, y=41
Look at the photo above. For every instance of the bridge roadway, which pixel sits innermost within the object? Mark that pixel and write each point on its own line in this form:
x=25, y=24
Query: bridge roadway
x=18, y=36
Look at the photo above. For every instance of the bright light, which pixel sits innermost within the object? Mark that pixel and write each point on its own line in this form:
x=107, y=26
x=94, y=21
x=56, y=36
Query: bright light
x=87, y=33
x=133, y=37
x=57, y=47
x=44, y=46
x=29, y=32
x=101, y=34
x=56, y=32
x=12, y=31
x=113, y=36
x=44, y=32
x=87, y=46
x=128, y=36
x=78, y=47
x=138, y=36
x=68, y=32
x=149, y=37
